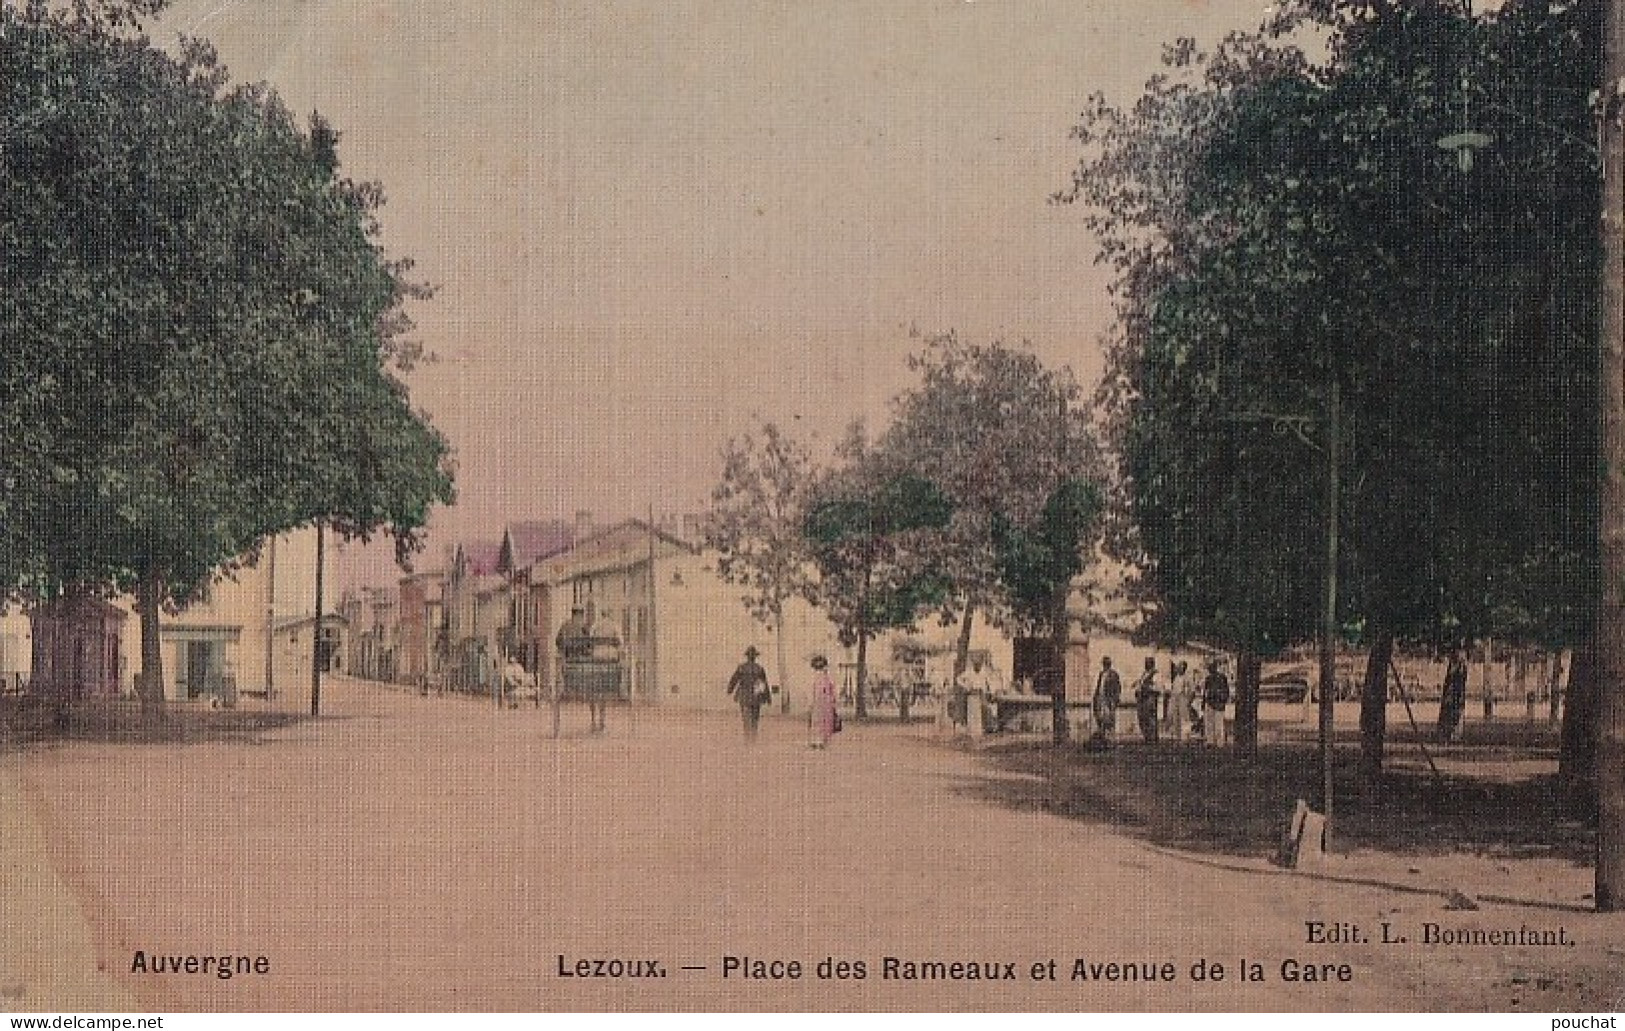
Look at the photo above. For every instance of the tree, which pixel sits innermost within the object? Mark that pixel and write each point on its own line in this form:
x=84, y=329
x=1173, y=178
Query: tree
x=187, y=258
x=865, y=527
x=1182, y=497
x=756, y=523
x=1314, y=235
x=997, y=431
x=1037, y=566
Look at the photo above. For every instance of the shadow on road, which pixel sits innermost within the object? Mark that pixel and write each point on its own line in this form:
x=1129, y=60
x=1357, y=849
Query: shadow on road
x=41, y=722
x=1183, y=796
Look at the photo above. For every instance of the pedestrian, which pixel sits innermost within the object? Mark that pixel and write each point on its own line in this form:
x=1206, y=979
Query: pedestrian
x=1452, y=696
x=1108, y=691
x=748, y=686
x=514, y=678
x=823, y=719
x=575, y=642
x=1181, y=693
x=981, y=684
x=982, y=676
x=602, y=646
x=1148, y=701
x=1215, y=696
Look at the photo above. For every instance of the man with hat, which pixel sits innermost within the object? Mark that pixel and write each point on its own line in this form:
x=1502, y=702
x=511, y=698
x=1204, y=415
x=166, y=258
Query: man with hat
x=1108, y=691
x=748, y=686
x=1215, y=696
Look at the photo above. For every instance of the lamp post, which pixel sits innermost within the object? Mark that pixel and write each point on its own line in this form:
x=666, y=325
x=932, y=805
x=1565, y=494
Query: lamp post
x=1331, y=448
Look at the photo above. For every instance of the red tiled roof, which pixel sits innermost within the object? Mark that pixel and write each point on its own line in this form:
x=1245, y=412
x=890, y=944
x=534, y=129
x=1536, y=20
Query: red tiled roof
x=482, y=558
x=524, y=543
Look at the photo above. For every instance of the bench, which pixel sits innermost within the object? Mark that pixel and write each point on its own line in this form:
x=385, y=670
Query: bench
x=1008, y=706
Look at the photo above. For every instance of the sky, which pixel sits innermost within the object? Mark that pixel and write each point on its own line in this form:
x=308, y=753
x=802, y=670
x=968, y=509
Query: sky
x=653, y=223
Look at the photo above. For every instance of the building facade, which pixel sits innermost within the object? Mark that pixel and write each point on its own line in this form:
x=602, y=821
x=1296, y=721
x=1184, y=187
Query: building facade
x=421, y=630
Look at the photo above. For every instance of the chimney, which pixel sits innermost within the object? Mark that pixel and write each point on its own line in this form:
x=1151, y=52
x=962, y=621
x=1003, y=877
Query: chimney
x=583, y=523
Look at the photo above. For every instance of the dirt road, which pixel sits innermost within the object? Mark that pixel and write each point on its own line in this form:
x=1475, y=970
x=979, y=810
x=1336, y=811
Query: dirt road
x=435, y=854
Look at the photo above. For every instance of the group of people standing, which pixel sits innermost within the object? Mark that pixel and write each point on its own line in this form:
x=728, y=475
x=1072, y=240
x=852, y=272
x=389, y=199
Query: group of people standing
x=749, y=689
x=1170, y=705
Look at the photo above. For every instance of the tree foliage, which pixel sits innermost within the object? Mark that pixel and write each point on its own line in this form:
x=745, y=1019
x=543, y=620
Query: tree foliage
x=756, y=518
x=207, y=332
x=869, y=530
x=1038, y=563
x=755, y=523
x=997, y=431
x=1308, y=227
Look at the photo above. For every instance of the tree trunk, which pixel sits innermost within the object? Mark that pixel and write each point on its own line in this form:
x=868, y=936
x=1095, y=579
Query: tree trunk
x=1374, y=704
x=149, y=683
x=1249, y=667
x=1554, y=688
x=317, y=655
x=778, y=639
x=862, y=700
x=1609, y=772
x=1059, y=632
x=962, y=653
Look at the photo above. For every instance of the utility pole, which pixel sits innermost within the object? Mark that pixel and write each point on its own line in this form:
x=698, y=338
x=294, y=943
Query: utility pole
x=1060, y=729
x=652, y=674
x=1610, y=629
x=270, y=619
x=1328, y=616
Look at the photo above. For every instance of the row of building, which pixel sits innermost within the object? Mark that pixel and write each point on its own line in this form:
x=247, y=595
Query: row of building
x=492, y=604
x=682, y=628
x=250, y=633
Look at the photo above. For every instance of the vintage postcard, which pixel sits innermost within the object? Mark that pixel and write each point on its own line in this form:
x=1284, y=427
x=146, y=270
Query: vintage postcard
x=934, y=505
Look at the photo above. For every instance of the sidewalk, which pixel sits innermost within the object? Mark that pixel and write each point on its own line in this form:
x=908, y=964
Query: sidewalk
x=47, y=961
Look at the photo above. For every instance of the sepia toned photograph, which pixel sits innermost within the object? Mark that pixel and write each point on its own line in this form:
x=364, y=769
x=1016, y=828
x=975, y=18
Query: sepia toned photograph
x=602, y=506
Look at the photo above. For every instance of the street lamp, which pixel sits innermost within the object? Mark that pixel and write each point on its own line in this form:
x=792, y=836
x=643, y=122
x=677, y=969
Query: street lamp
x=1298, y=425
x=1464, y=143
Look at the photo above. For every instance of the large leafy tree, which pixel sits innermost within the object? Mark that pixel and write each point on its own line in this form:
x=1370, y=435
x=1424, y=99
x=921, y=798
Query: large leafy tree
x=997, y=431
x=869, y=529
x=755, y=525
x=214, y=327
x=1037, y=565
x=1315, y=233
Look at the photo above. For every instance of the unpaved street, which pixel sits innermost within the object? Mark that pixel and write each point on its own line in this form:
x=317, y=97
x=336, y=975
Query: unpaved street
x=433, y=854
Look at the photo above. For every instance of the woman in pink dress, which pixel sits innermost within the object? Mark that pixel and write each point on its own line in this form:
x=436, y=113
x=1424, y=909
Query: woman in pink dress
x=822, y=717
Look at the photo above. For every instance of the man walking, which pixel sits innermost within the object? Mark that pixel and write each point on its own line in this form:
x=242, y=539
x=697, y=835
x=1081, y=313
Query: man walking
x=1108, y=690
x=1148, y=701
x=748, y=686
x=1215, y=696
